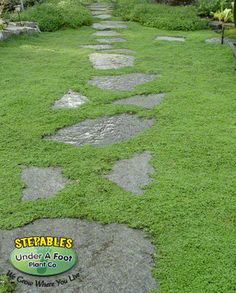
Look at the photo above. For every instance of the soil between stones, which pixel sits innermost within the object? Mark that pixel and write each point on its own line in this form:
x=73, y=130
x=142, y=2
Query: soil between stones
x=111, y=258
x=102, y=131
x=124, y=82
x=42, y=182
x=132, y=174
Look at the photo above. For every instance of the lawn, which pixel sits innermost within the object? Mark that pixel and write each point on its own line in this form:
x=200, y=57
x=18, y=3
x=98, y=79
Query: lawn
x=189, y=208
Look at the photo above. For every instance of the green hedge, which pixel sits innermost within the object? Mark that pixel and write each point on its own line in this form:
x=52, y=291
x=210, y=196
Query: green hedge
x=53, y=15
x=160, y=15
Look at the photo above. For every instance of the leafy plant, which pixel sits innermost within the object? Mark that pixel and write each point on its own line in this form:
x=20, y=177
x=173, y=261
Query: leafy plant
x=225, y=15
x=207, y=7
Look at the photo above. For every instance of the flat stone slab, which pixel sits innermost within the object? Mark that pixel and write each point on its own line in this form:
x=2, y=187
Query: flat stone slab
x=111, y=40
x=146, y=101
x=106, y=34
x=110, y=61
x=122, y=51
x=102, y=131
x=42, y=182
x=71, y=100
x=97, y=47
x=132, y=174
x=17, y=29
x=125, y=82
x=100, y=12
x=104, y=25
x=170, y=39
x=218, y=41
x=104, y=16
x=111, y=258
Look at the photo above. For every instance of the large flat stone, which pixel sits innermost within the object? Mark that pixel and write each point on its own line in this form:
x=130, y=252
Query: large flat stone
x=102, y=131
x=146, y=101
x=125, y=82
x=218, y=41
x=111, y=258
x=110, y=61
x=132, y=174
x=71, y=100
x=107, y=34
x=100, y=12
x=111, y=40
x=104, y=16
x=97, y=47
x=104, y=25
x=170, y=39
x=42, y=182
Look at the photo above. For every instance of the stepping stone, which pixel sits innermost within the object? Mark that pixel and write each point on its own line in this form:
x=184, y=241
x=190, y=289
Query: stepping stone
x=42, y=182
x=122, y=51
x=107, y=34
x=111, y=61
x=100, y=12
x=218, y=41
x=71, y=100
x=104, y=25
x=111, y=258
x=133, y=174
x=102, y=131
x=170, y=39
x=97, y=47
x=124, y=82
x=146, y=101
x=111, y=40
x=104, y=16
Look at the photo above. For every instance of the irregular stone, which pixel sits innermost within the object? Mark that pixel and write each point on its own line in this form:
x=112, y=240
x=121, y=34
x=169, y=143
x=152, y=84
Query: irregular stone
x=170, y=39
x=218, y=41
x=107, y=34
x=111, y=258
x=122, y=51
x=100, y=12
x=146, y=101
x=16, y=29
x=125, y=82
x=111, y=40
x=111, y=61
x=109, y=25
x=97, y=47
x=102, y=131
x=42, y=182
x=132, y=174
x=104, y=16
x=71, y=100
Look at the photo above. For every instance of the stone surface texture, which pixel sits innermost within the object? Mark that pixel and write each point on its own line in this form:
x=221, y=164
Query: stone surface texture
x=102, y=131
x=104, y=25
x=111, y=258
x=42, y=182
x=71, y=100
x=18, y=28
x=170, y=39
x=110, y=61
x=107, y=34
x=146, y=101
x=104, y=16
x=132, y=174
x=218, y=41
x=125, y=82
x=111, y=40
x=97, y=47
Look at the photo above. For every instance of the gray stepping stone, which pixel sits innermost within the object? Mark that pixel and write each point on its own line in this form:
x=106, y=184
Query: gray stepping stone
x=146, y=101
x=71, y=100
x=104, y=16
x=107, y=34
x=122, y=51
x=102, y=131
x=111, y=61
x=104, y=25
x=97, y=47
x=111, y=258
x=42, y=182
x=100, y=12
x=170, y=39
x=218, y=41
x=132, y=174
x=124, y=82
x=111, y=40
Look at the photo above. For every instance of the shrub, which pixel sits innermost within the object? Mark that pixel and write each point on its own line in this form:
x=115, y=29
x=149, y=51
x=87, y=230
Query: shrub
x=207, y=7
x=160, y=15
x=54, y=15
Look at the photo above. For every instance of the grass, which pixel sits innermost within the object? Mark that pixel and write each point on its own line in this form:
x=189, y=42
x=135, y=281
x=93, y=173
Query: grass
x=189, y=208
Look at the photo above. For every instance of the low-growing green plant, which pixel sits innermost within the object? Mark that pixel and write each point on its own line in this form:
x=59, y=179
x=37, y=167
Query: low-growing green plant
x=160, y=15
x=6, y=285
x=54, y=14
x=225, y=15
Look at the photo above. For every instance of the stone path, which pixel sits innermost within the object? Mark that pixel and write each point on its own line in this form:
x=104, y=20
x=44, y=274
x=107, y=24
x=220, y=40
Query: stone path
x=170, y=39
x=71, y=100
x=110, y=61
